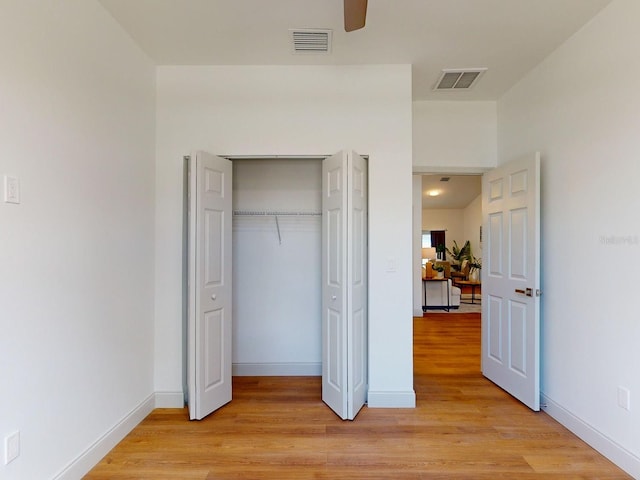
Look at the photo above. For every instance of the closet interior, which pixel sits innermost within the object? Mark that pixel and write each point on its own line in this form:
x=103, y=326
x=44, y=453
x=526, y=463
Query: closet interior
x=277, y=224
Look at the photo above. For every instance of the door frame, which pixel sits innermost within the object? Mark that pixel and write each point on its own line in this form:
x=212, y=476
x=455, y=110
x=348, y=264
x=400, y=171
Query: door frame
x=185, y=247
x=417, y=224
x=417, y=228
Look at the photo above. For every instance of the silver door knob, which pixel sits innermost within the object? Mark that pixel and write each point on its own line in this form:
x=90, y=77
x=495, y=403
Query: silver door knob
x=527, y=291
x=333, y=297
x=213, y=297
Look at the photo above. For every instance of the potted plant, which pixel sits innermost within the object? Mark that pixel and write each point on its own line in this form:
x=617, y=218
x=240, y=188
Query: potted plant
x=459, y=254
x=439, y=269
x=440, y=248
x=475, y=264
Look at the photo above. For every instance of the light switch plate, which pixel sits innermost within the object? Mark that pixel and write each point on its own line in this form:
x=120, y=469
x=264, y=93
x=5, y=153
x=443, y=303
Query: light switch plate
x=11, y=189
x=624, y=398
x=11, y=447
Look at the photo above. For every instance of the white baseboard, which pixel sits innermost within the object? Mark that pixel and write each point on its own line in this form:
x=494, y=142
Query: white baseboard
x=624, y=459
x=391, y=399
x=95, y=452
x=277, y=369
x=417, y=312
x=169, y=400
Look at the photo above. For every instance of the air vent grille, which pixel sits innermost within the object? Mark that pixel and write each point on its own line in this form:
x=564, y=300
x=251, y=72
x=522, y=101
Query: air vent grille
x=310, y=41
x=459, y=79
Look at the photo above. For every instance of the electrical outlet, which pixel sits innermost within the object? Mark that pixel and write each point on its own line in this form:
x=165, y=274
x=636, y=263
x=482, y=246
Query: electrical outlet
x=11, y=447
x=624, y=398
x=11, y=189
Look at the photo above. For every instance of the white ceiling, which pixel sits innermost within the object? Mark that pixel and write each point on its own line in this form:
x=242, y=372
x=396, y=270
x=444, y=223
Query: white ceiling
x=509, y=37
x=458, y=192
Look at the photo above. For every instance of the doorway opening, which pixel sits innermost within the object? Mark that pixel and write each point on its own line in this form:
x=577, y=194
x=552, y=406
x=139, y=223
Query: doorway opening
x=277, y=276
x=448, y=230
x=510, y=318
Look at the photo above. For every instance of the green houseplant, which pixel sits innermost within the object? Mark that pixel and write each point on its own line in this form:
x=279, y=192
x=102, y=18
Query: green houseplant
x=439, y=269
x=475, y=264
x=459, y=254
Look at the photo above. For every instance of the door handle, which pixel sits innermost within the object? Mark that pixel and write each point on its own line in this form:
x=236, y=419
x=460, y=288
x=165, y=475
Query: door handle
x=333, y=297
x=213, y=297
x=528, y=292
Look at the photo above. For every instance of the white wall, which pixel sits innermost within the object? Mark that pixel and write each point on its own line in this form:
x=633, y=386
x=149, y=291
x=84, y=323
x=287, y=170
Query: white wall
x=472, y=219
x=265, y=110
x=449, y=219
x=417, y=245
x=277, y=302
x=461, y=224
x=580, y=108
x=76, y=255
x=454, y=135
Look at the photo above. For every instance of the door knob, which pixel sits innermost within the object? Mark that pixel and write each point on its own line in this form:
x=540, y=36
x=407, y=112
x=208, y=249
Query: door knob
x=528, y=292
x=213, y=297
x=333, y=297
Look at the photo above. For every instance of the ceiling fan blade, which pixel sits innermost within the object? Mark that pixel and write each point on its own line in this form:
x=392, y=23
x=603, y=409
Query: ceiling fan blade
x=355, y=14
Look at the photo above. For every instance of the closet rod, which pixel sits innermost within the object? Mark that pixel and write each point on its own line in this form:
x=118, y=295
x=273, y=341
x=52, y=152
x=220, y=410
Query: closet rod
x=254, y=213
x=278, y=228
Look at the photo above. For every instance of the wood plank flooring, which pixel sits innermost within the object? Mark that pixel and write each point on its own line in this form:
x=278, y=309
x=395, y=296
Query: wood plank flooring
x=464, y=427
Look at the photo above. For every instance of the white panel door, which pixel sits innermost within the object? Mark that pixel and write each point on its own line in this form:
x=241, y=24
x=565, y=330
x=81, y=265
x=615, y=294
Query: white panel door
x=511, y=278
x=209, y=319
x=344, y=281
x=334, y=283
x=357, y=332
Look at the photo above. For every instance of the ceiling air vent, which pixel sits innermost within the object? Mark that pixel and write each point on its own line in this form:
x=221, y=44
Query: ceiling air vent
x=459, y=79
x=310, y=41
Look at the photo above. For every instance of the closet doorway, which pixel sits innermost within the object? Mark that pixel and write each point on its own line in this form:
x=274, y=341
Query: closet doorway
x=277, y=275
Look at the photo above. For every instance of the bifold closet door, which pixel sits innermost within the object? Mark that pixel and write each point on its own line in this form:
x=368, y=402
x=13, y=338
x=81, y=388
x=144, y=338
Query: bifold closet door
x=344, y=283
x=209, y=290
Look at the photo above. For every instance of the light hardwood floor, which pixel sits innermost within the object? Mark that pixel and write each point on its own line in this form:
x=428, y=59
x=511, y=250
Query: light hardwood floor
x=277, y=428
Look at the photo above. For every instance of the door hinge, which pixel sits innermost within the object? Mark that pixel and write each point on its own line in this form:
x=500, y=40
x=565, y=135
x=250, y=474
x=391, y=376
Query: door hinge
x=538, y=292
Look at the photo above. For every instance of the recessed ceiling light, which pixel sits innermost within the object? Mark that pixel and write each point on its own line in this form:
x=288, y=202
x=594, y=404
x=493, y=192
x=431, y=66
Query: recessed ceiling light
x=433, y=193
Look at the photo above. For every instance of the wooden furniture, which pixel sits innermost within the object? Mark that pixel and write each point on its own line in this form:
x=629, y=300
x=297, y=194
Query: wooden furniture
x=463, y=274
x=469, y=283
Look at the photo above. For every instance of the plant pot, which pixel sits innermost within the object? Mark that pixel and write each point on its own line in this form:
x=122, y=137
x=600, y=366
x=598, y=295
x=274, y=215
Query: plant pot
x=439, y=274
x=474, y=275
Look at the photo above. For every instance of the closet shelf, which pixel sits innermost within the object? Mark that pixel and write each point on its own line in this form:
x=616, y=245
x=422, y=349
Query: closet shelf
x=257, y=213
